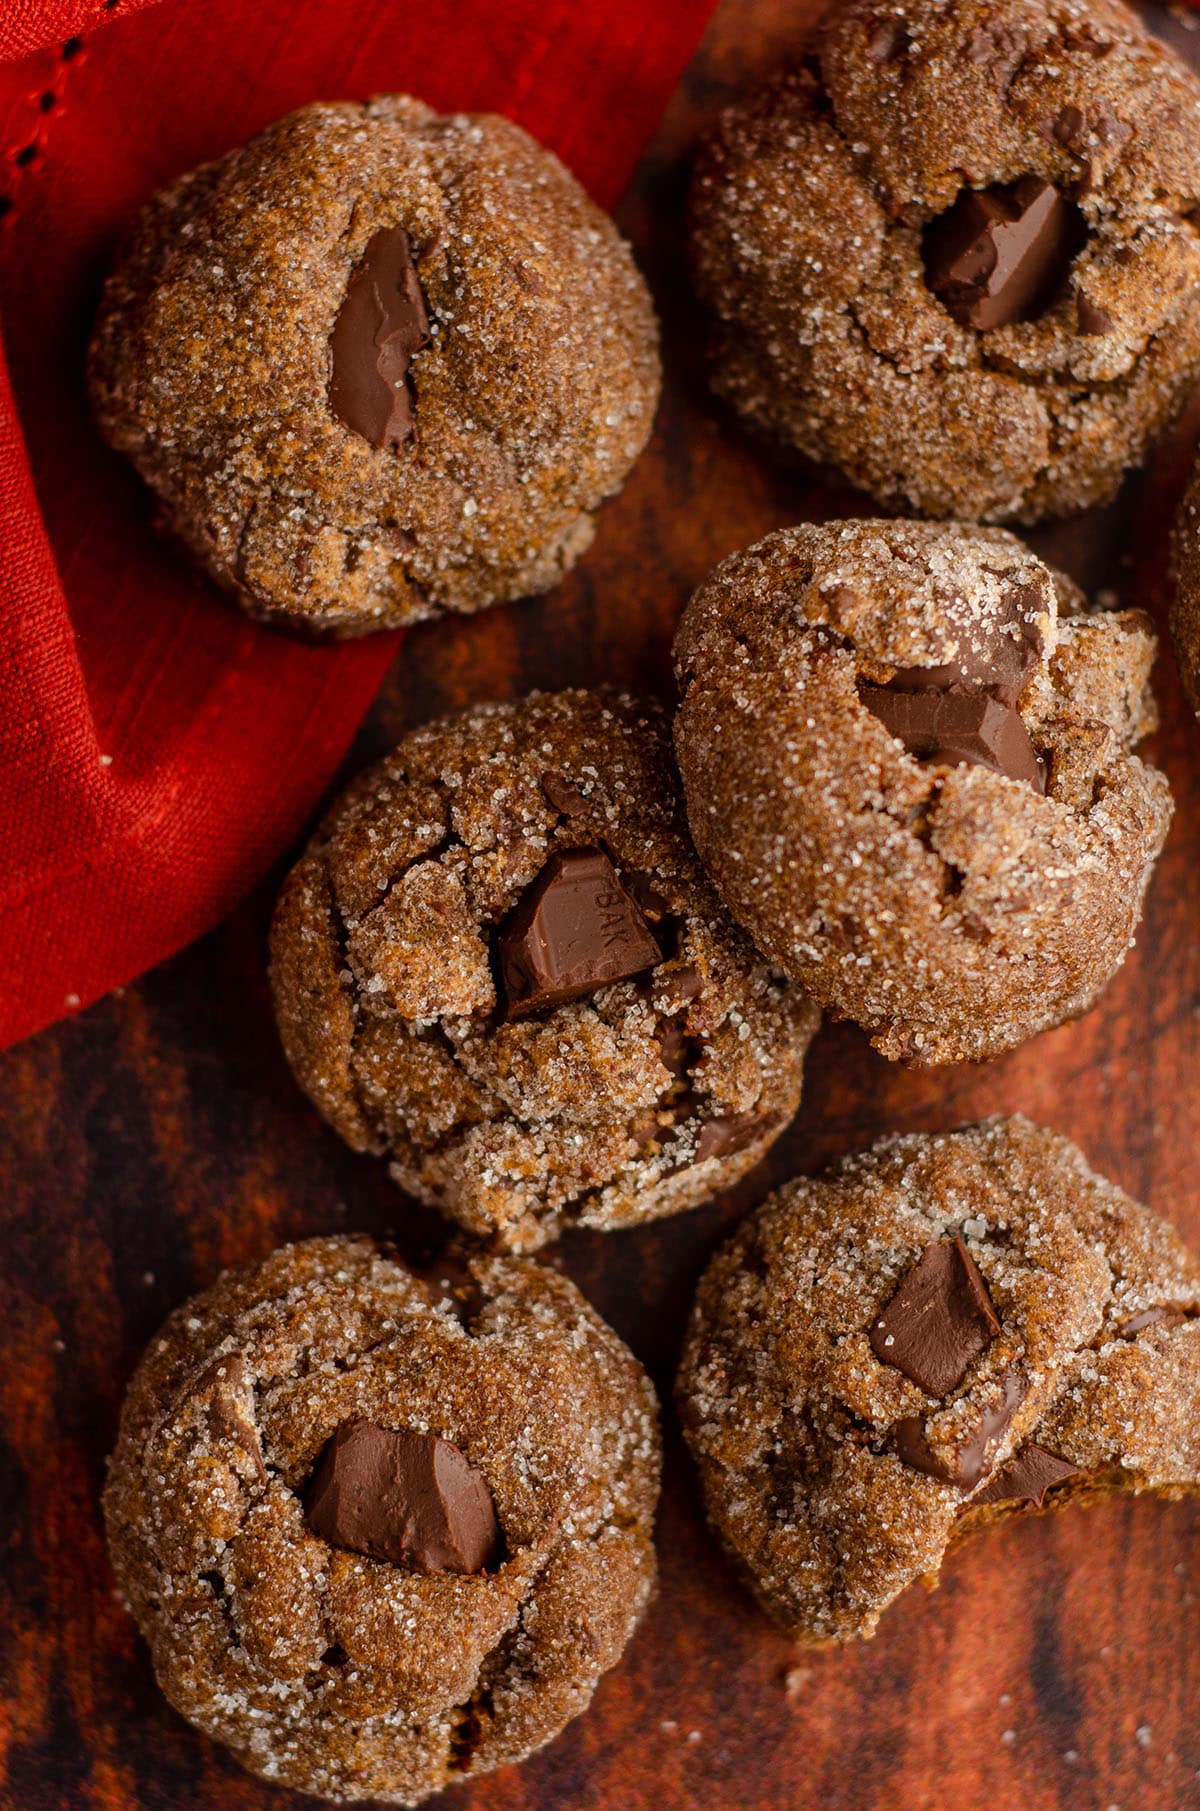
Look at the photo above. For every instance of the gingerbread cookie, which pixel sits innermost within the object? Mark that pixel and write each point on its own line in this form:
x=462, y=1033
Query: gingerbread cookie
x=499, y=964
x=954, y=252
x=362, y=1515
x=907, y=753
x=377, y=364
x=932, y=1336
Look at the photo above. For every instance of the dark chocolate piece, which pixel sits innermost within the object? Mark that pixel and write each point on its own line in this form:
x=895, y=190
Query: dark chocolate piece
x=999, y=254
x=1003, y=665
x=735, y=1132
x=1014, y=652
x=680, y=987
x=650, y=902
x=889, y=39
x=939, y=1320
x=673, y=1044
x=964, y=711
x=232, y=1395
x=1066, y=125
x=1091, y=317
x=564, y=797
x=973, y=1454
x=379, y=327
x=1109, y=127
x=956, y=724
x=1026, y=1478
x=1079, y=37
x=998, y=48
x=577, y=928
x=913, y=1449
x=451, y=1284
x=407, y=1498
x=1151, y=1317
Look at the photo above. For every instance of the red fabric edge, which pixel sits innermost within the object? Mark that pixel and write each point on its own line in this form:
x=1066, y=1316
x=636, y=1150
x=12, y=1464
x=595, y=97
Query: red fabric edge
x=69, y=937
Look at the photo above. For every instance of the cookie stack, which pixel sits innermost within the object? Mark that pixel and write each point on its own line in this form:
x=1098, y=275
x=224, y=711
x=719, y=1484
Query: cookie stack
x=559, y=962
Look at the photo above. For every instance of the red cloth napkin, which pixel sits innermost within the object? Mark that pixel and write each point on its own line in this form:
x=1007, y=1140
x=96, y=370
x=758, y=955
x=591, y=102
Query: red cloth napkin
x=158, y=750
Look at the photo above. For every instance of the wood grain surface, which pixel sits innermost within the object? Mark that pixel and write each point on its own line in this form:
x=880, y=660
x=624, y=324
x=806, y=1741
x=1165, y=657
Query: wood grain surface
x=159, y=1136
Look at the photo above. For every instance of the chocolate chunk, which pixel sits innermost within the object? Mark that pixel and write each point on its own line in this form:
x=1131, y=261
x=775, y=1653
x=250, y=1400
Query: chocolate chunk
x=680, y=986
x=380, y=325
x=955, y=724
x=941, y=713
x=1151, y=1317
x=842, y=599
x=576, y=929
x=735, y=1132
x=939, y=1320
x=1015, y=648
x=1110, y=128
x=231, y=1395
x=673, y=1044
x=975, y=1453
x=972, y=1456
x=563, y=796
x=889, y=39
x=650, y=902
x=1093, y=320
x=407, y=1498
x=1074, y=37
x=999, y=254
x=998, y=48
x=1066, y=125
x=1003, y=666
x=1026, y=1478
x=451, y=1284
x=913, y=1448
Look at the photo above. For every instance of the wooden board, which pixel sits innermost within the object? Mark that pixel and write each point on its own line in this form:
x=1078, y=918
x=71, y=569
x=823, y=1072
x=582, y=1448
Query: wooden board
x=159, y=1137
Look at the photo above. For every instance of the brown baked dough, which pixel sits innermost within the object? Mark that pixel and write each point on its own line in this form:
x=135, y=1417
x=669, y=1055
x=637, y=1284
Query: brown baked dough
x=640, y=1098
x=951, y=910
x=1091, y=1375
x=809, y=212
x=341, y=1675
x=211, y=366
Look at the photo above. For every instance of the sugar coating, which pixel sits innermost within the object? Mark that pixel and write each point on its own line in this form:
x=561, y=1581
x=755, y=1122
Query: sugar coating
x=790, y=1415
x=210, y=366
x=385, y=989
x=334, y=1673
x=808, y=208
x=952, y=911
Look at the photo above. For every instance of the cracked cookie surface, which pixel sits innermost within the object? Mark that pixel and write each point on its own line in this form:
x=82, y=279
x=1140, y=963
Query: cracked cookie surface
x=812, y=208
x=527, y=369
x=404, y=929
x=339, y=1674
x=1060, y=1312
x=947, y=906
